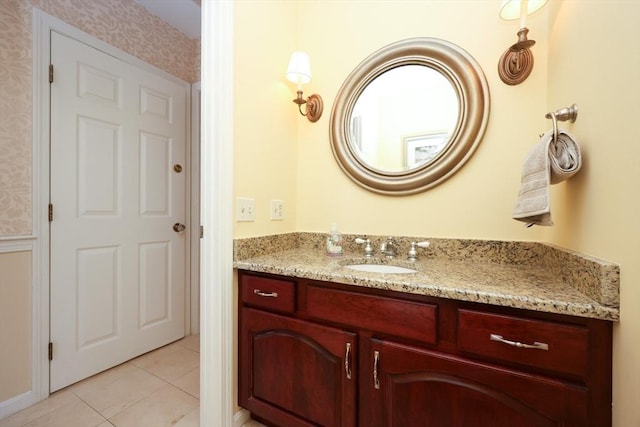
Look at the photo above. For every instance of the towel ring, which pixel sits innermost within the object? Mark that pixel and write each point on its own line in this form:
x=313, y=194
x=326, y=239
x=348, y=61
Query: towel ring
x=563, y=114
x=554, y=120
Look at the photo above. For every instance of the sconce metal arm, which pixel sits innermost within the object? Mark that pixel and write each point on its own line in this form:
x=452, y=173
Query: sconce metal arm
x=314, y=106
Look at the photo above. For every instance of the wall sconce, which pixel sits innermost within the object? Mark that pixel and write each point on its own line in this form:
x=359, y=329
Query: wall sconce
x=516, y=62
x=299, y=72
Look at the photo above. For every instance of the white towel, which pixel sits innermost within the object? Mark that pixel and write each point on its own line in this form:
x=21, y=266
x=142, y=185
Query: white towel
x=547, y=163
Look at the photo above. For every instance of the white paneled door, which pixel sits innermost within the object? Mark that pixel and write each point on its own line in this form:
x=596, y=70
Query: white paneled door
x=118, y=135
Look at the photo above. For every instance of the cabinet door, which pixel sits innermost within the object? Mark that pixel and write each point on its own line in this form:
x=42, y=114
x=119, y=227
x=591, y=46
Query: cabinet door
x=416, y=387
x=296, y=373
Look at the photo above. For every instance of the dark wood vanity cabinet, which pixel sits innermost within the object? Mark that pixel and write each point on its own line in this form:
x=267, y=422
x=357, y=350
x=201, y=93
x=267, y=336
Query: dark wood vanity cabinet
x=321, y=354
x=292, y=372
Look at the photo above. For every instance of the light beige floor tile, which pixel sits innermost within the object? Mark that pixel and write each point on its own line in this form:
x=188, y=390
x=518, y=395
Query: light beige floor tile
x=127, y=394
x=190, y=382
x=164, y=408
x=169, y=362
x=191, y=342
x=75, y=414
x=252, y=423
x=192, y=419
x=117, y=389
x=55, y=401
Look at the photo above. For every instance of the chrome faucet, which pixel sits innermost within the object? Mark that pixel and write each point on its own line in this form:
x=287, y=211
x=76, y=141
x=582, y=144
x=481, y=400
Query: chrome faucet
x=388, y=248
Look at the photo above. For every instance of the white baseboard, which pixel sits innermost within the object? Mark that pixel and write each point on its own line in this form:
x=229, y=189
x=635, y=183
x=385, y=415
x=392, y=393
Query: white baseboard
x=18, y=403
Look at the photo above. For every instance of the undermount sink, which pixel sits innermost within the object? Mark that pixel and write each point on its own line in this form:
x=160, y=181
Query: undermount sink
x=381, y=268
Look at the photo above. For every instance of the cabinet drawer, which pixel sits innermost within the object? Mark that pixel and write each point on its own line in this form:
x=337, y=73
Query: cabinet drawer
x=555, y=346
x=273, y=294
x=416, y=321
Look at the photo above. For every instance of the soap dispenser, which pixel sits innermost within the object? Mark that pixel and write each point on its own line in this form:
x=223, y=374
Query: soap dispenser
x=334, y=241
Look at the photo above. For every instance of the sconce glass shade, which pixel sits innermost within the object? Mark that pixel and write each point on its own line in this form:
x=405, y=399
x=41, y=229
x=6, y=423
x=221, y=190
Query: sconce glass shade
x=299, y=70
x=510, y=9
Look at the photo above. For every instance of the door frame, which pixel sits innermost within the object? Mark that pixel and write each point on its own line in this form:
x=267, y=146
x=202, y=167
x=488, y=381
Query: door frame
x=43, y=24
x=217, y=320
x=193, y=211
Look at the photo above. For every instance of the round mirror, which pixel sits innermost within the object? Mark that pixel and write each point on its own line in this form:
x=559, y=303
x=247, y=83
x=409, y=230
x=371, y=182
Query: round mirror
x=409, y=116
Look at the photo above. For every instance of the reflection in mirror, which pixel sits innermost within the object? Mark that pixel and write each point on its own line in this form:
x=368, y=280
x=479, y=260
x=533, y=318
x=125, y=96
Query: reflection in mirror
x=404, y=118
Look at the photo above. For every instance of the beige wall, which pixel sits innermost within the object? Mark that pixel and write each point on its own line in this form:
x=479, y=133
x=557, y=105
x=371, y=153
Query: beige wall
x=597, y=211
x=15, y=324
x=475, y=203
x=265, y=140
x=585, y=53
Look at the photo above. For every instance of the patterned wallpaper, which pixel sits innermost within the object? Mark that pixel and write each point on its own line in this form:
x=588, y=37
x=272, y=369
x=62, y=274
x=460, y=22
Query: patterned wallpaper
x=121, y=23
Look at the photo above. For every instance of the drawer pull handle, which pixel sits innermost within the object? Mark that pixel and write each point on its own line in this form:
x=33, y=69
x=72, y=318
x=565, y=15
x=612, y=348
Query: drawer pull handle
x=376, y=362
x=536, y=345
x=347, y=361
x=265, y=294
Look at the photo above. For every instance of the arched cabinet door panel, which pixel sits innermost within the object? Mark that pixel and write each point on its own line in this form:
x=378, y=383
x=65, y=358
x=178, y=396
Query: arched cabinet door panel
x=417, y=387
x=290, y=366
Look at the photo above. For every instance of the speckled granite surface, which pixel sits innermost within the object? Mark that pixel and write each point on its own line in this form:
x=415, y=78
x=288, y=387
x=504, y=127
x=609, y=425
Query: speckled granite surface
x=525, y=275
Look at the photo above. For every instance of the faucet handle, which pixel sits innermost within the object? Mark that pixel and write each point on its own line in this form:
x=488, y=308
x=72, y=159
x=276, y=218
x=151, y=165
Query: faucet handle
x=413, y=252
x=368, y=250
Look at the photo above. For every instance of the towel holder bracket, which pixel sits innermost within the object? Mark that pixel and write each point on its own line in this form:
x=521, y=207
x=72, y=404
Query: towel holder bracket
x=563, y=114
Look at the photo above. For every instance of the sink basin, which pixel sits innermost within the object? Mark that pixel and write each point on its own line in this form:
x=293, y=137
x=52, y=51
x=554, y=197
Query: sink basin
x=381, y=268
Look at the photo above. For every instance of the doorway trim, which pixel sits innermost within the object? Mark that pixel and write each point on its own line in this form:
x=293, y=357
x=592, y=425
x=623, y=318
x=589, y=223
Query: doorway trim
x=217, y=320
x=43, y=24
x=193, y=316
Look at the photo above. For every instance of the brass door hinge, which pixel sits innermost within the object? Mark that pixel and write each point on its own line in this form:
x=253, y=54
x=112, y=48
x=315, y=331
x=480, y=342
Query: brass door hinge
x=50, y=212
x=50, y=73
x=50, y=351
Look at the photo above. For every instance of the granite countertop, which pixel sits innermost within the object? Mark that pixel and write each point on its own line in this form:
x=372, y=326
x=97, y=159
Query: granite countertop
x=513, y=274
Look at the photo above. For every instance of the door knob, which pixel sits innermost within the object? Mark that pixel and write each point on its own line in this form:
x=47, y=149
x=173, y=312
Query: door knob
x=177, y=227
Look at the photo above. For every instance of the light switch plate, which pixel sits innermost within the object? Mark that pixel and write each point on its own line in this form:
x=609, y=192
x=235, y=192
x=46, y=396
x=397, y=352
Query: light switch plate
x=277, y=210
x=245, y=209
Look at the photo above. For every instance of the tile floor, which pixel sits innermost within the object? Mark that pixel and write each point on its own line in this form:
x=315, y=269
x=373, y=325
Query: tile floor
x=160, y=388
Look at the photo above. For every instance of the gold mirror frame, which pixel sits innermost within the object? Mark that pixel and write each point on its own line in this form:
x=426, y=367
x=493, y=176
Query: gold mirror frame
x=470, y=84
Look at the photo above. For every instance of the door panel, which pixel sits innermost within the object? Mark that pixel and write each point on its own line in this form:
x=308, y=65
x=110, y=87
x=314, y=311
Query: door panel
x=99, y=148
x=423, y=388
x=98, y=273
x=117, y=266
x=155, y=152
x=296, y=367
x=154, y=284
